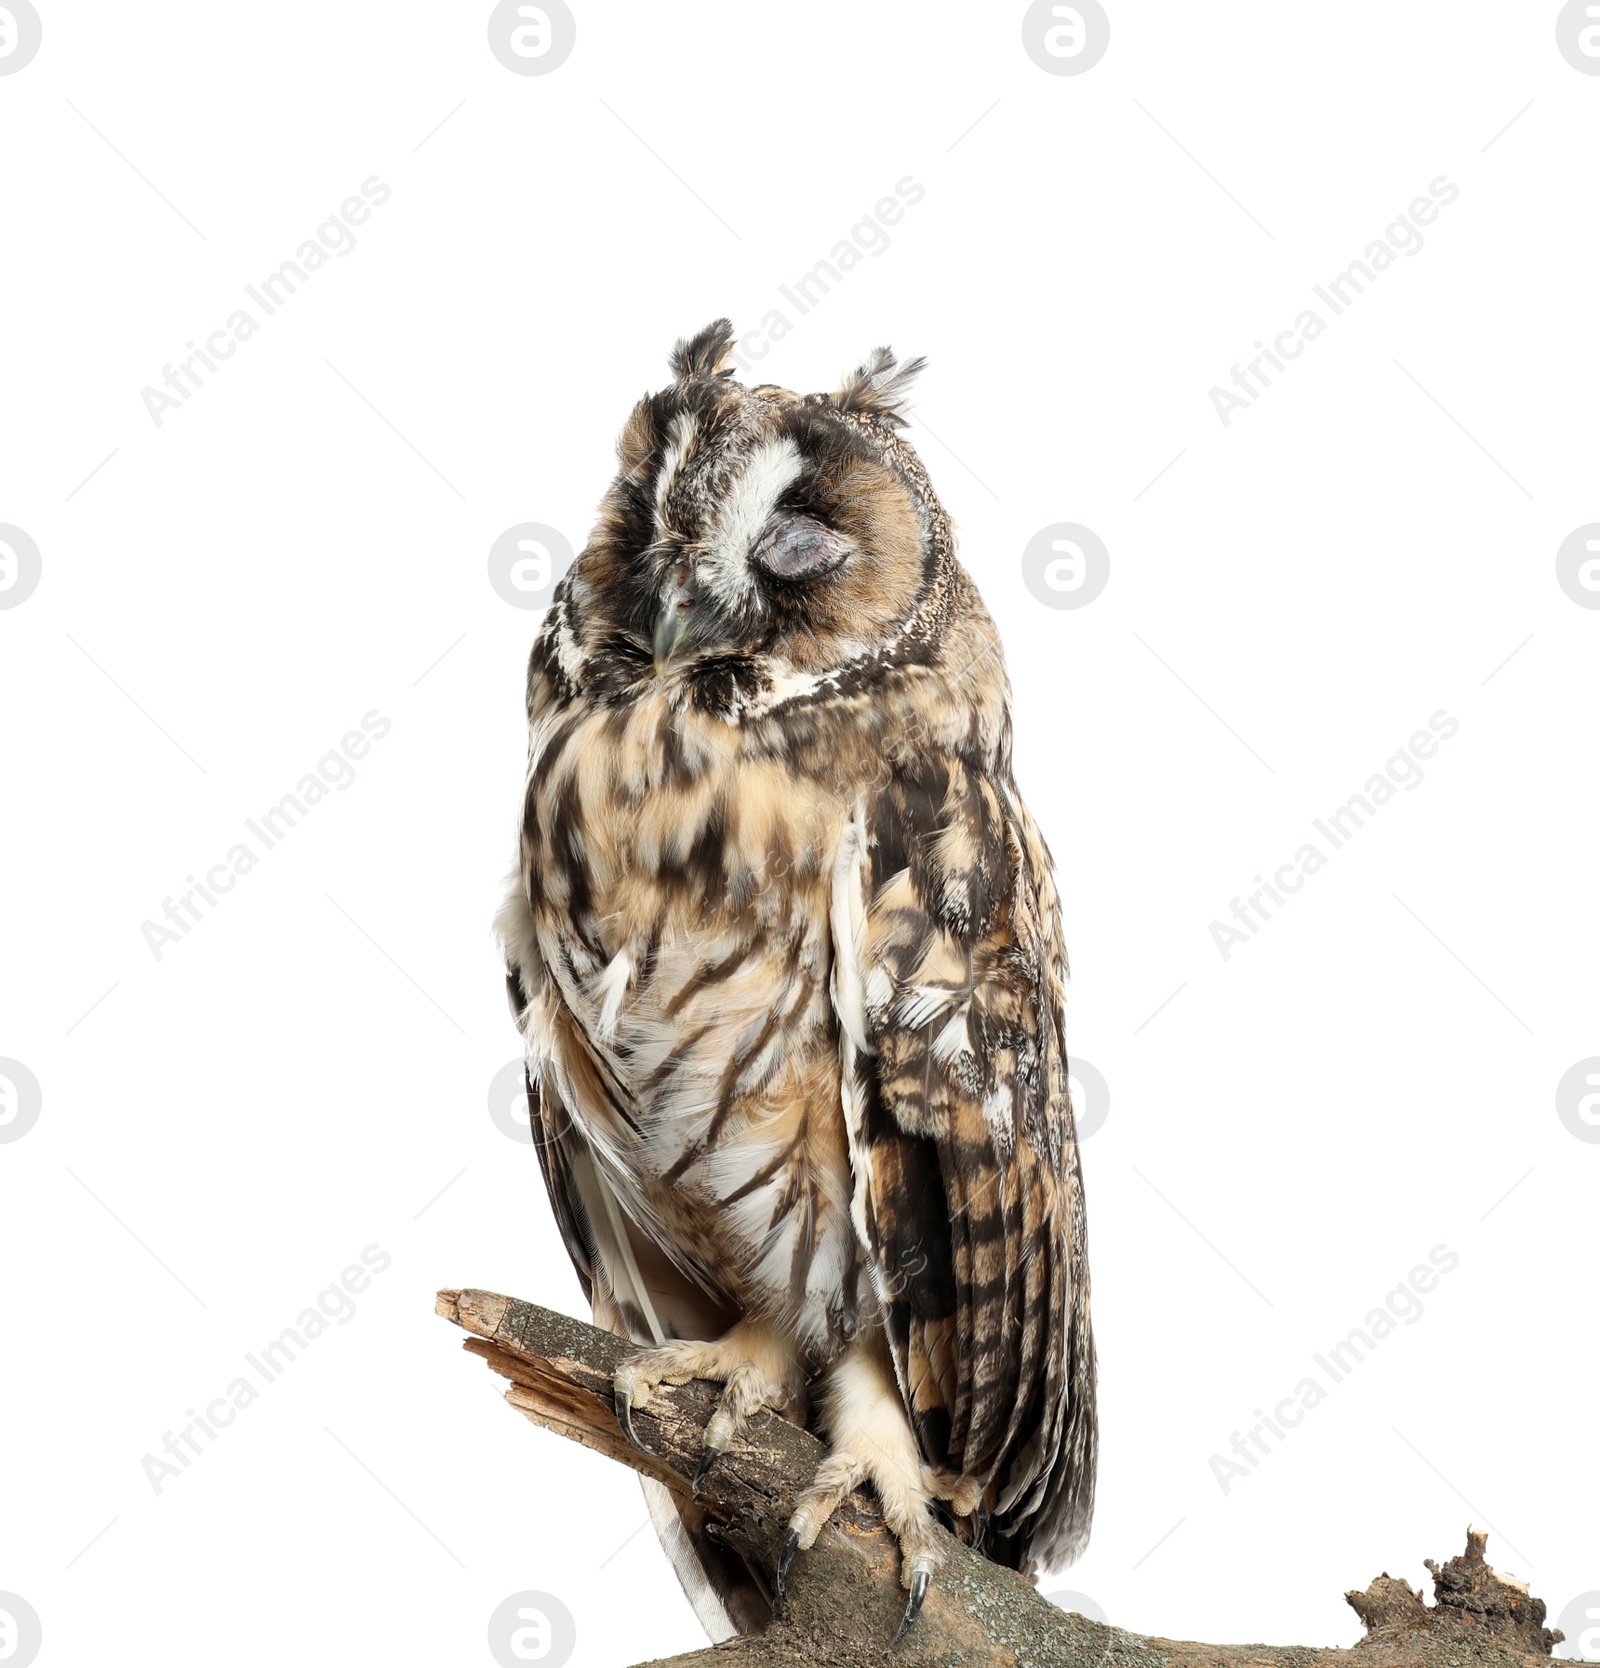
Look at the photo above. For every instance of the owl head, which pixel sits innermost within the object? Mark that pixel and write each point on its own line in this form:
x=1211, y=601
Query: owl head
x=753, y=533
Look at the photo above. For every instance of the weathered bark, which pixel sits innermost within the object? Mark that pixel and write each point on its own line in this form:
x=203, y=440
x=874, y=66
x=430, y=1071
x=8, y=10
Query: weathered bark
x=845, y=1597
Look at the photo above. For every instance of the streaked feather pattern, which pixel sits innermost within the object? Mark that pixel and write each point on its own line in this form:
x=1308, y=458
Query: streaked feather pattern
x=785, y=946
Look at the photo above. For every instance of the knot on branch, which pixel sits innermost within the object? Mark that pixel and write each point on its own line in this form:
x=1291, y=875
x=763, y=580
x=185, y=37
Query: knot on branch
x=1388, y=1603
x=1470, y=1598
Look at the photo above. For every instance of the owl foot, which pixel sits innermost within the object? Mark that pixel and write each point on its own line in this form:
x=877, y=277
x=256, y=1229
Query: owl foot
x=872, y=1442
x=754, y=1364
x=904, y=1500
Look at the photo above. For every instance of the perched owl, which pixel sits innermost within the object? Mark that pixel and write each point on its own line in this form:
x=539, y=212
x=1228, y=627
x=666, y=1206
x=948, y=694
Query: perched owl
x=784, y=947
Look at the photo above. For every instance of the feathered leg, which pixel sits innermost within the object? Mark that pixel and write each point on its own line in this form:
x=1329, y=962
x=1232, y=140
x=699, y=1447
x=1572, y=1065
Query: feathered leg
x=870, y=1440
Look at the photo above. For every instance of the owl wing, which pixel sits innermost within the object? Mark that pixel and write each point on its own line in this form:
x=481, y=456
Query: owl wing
x=949, y=978
x=561, y=1157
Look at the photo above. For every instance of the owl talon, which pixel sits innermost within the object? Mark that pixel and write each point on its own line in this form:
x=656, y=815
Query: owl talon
x=780, y=1579
x=708, y=1457
x=622, y=1400
x=919, y=1591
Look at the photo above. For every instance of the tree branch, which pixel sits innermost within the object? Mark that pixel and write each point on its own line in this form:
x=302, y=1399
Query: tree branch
x=845, y=1597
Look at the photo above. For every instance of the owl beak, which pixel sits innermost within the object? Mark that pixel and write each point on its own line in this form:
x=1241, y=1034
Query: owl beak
x=676, y=620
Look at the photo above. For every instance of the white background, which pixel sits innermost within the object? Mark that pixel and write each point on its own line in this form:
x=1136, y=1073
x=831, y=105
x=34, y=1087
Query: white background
x=230, y=1125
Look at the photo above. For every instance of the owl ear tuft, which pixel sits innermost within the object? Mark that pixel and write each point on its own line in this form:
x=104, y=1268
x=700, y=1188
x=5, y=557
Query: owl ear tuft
x=637, y=443
x=879, y=387
x=708, y=353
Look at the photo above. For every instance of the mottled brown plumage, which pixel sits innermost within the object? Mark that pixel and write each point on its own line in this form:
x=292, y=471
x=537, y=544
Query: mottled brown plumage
x=785, y=948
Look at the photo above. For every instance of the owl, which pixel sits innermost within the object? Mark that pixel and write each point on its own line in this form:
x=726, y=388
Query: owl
x=784, y=947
